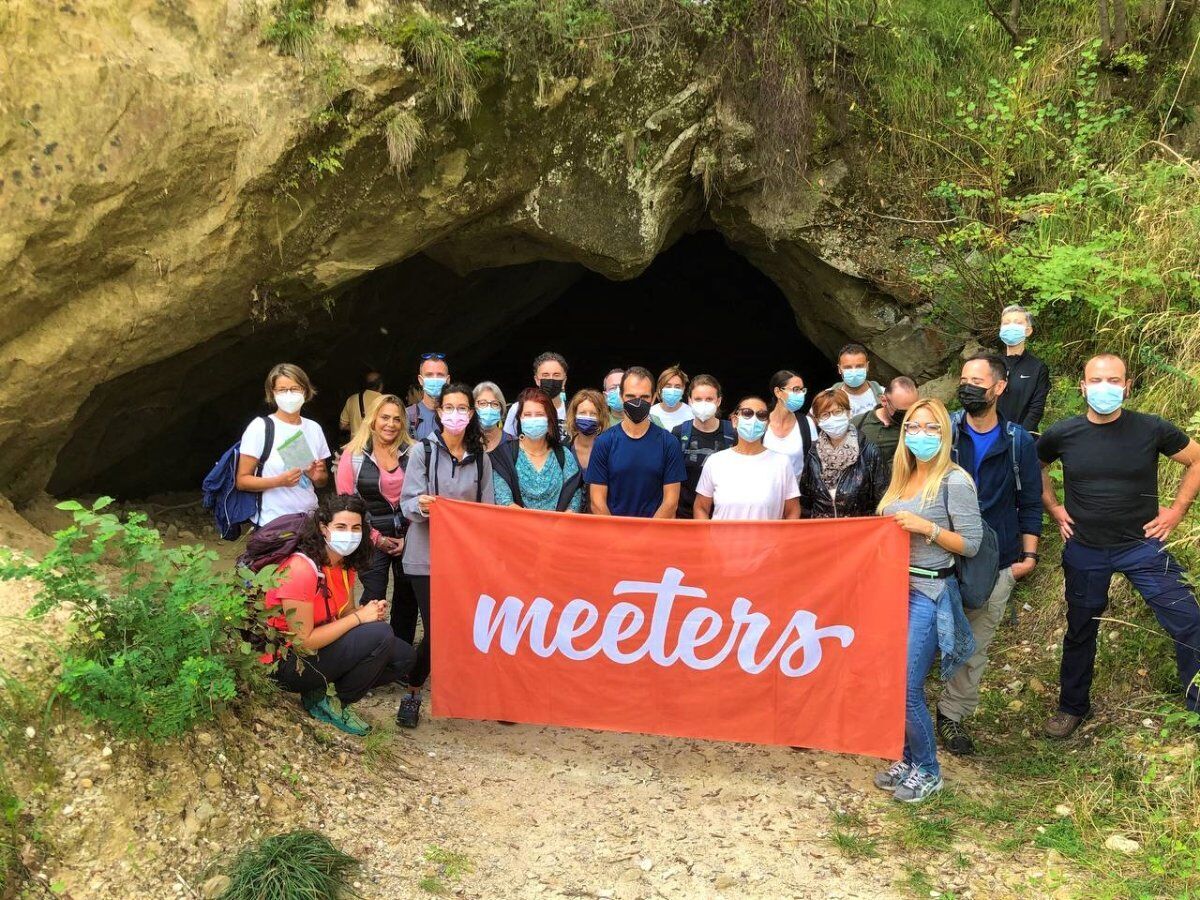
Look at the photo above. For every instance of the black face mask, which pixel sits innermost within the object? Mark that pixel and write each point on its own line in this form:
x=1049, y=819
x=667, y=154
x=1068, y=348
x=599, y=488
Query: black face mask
x=552, y=386
x=636, y=410
x=973, y=398
x=897, y=416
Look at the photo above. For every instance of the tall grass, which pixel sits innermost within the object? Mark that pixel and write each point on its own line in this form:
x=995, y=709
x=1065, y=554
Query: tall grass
x=439, y=55
x=404, y=133
x=298, y=864
x=294, y=27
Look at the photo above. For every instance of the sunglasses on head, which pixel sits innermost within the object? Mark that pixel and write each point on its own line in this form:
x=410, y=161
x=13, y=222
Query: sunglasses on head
x=747, y=413
x=433, y=356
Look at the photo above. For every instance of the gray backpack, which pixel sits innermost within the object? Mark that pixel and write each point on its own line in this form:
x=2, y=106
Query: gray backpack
x=976, y=574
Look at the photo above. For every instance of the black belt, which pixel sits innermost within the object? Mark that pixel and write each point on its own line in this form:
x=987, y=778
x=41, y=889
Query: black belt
x=932, y=573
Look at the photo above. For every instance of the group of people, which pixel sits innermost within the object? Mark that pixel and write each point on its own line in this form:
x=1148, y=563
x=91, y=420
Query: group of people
x=670, y=446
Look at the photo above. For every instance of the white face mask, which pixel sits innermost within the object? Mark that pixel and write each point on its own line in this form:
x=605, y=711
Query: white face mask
x=344, y=542
x=704, y=409
x=289, y=401
x=836, y=425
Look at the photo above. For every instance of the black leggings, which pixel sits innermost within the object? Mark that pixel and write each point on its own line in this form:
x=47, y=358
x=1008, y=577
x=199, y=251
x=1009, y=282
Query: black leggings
x=366, y=656
x=404, y=603
x=420, y=669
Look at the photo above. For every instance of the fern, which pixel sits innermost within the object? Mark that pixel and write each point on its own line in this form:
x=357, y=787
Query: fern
x=157, y=638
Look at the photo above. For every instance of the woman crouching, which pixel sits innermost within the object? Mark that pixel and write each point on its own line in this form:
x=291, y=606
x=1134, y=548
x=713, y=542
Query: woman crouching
x=352, y=648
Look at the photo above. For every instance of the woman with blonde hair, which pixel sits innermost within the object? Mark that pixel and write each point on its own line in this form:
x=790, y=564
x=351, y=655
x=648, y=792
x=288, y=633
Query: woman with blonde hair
x=372, y=469
x=935, y=502
x=670, y=410
x=261, y=467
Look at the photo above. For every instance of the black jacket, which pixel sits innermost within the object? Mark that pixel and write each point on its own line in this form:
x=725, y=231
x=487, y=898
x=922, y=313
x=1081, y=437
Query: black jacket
x=504, y=465
x=858, y=490
x=1024, y=400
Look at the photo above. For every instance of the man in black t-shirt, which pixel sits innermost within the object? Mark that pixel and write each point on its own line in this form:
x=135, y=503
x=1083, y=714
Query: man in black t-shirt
x=1111, y=522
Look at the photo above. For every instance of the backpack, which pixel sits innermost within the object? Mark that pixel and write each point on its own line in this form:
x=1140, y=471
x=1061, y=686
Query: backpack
x=685, y=433
x=976, y=574
x=232, y=507
x=274, y=542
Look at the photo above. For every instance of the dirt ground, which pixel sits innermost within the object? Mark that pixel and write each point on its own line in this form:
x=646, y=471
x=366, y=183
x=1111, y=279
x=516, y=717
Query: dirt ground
x=474, y=809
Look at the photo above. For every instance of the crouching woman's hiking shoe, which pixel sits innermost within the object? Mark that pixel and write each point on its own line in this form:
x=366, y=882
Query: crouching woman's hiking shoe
x=918, y=786
x=331, y=711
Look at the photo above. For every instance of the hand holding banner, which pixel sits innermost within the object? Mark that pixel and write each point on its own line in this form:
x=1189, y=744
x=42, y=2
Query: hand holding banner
x=771, y=632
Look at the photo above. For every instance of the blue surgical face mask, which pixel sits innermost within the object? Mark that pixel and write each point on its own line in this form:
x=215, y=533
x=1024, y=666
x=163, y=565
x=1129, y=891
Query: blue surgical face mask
x=751, y=429
x=1012, y=334
x=344, y=542
x=854, y=377
x=613, y=398
x=795, y=400
x=535, y=426
x=432, y=385
x=488, y=417
x=923, y=446
x=671, y=396
x=1105, y=398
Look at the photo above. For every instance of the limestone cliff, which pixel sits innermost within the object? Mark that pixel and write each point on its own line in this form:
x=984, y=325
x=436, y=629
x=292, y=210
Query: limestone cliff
x=170, y=181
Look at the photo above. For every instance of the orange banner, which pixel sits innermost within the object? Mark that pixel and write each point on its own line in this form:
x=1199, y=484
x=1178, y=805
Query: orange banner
x=770, y=632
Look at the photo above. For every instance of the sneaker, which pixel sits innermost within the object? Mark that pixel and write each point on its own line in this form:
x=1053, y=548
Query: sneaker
x=918, y=786
x=310, y=699
x=893, y=777
x=1062, y=725
x=409, y=714
x=330, y=711
x=954, y=736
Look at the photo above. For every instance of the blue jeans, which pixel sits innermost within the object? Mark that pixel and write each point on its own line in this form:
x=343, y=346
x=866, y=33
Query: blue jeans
x=1160, y=580
x=920, y=742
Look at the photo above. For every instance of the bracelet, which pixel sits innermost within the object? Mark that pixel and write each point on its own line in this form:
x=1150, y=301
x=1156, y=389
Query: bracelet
x=1029, y=554
x=933, y=535
x=357, y=617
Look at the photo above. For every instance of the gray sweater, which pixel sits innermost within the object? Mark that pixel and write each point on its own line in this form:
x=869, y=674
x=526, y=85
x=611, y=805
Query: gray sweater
x=444, y=476
x=958, y=493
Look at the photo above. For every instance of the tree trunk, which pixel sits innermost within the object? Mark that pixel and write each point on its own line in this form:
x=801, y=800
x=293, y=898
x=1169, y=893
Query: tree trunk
x=1120, y=28
x=1105, y=29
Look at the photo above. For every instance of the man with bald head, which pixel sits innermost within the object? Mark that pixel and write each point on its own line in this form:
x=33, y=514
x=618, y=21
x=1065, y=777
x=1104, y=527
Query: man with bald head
x=881, y=425
x=1111, y=522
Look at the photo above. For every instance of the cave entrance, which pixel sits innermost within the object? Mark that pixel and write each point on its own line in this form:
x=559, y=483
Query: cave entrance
x=699, y=305
x=158, y=429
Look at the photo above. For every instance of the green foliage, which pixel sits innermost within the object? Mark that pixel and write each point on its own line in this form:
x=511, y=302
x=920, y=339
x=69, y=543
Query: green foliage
x=298, y=864
x=327, y=162
x=442, y=869
x=294, y=27
x=404, y=133
x=439, y=55
x=156, y=645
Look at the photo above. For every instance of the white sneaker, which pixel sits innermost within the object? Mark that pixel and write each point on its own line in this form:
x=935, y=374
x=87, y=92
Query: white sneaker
x=918, y=786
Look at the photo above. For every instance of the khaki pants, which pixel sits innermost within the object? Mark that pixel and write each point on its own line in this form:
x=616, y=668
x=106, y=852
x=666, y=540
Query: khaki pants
x=960, y=696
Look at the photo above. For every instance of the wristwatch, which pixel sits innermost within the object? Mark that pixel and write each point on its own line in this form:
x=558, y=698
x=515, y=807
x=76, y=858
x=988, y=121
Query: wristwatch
x=1029, y=554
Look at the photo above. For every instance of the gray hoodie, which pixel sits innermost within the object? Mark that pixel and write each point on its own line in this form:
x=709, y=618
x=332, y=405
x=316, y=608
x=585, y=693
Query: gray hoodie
x=443, y=476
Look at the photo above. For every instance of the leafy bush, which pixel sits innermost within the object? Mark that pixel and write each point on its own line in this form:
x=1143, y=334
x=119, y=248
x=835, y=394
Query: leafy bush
x=300, y=863
x=156, y=643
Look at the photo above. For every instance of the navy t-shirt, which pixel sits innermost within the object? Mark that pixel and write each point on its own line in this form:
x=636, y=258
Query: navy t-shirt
x=981, y=443
x=635, y=470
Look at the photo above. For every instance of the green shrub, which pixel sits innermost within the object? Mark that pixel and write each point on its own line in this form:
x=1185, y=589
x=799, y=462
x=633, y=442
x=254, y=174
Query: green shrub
x=440, y=56
x=298, y=864
x=294, y=28
x=156, y=636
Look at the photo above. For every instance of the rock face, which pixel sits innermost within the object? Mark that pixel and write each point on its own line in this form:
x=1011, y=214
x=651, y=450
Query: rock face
x=169, y=182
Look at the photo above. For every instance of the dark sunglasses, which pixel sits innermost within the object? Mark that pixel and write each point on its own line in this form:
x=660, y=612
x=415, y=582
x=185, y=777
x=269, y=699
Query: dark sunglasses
x=761, y=414
x=433, y=356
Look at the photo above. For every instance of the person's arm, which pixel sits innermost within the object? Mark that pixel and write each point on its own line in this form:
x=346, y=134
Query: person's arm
x=963, y=505
x=344, y=418
x=343, y=479
x=791, y=508
x=670, y=502
x=416, y=483
x=1029, y=507
x=597, y=474
x=300, y=616
x=598, y=496
x=1037, y=400
x=702, y=507
x=248, y=481
x=1168, y=517
x=487, y=493
x=1056, y=510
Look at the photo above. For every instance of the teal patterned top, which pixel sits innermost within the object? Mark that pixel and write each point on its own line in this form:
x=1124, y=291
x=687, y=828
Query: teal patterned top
x=540, y=490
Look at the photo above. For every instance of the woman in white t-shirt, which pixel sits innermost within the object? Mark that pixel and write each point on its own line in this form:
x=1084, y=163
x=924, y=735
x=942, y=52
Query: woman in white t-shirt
x=789, y=430
x=670, y=410
x=285, y=489
x=748, y=481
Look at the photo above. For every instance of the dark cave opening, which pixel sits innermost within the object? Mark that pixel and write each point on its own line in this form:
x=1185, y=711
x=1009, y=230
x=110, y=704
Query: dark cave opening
x=159, y=428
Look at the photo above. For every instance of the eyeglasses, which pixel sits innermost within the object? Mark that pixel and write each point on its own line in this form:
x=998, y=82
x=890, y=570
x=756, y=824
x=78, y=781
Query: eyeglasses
x=487, y=404
x=747, y=413
x=426, y=356
x=929, y=428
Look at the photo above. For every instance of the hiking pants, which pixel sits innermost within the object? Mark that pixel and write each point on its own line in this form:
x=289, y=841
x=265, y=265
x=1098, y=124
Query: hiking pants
x=366, y=656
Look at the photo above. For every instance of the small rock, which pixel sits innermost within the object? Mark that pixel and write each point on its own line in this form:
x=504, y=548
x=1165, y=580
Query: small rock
x=204, y=738
x=187, y=536
x=1148, y=723
x=212, y=779
x=30, y=732
x=85, y=783
x=107, y=751
x=1016, y=705
x=171, y=533
x=724, y=882
x=1121, y=844
x=645, y=864
x=1037, y=685
x=215, y=887
x=1063, y=809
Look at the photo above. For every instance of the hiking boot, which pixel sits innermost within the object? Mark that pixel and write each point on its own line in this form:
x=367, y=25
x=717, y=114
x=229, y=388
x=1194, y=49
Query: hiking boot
x=330, y=711
x=310, y=699
x=918, y=786
x=893, y=777
x=954, y=736
x=1062, y=725
x=409, y=714
x=354, y=723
